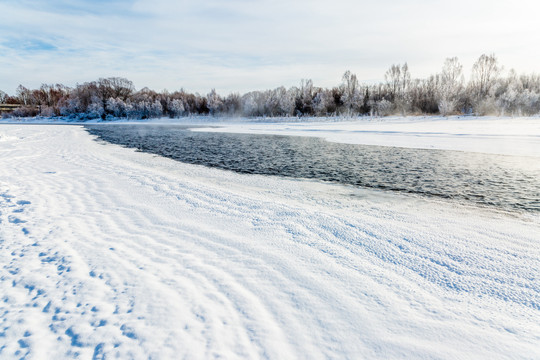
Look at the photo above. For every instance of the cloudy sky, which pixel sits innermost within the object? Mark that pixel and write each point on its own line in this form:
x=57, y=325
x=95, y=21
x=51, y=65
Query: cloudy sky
x=241, y=45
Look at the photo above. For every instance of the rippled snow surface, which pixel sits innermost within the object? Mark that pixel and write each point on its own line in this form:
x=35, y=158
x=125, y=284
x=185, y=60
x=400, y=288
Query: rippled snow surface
x=110, y=253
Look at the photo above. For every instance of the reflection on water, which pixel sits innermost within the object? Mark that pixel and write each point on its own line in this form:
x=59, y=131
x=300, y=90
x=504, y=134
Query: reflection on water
x=508, y=182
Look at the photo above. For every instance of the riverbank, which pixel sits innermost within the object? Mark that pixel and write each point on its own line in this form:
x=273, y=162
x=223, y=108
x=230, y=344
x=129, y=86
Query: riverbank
x=105, y=250
x=487, y=134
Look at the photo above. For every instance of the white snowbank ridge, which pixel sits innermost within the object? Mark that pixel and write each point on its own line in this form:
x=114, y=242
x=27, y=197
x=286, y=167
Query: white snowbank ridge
x=106, y=252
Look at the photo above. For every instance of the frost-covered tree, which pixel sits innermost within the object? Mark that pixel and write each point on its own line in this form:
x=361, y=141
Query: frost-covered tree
x=450, y=86
x=250, y=104
x=69, y=106
x=47, y=111
x=384, y=107
x=95, y=109
x=25, y=111
x=529, y=102
x=452, y=76
x=484, y=74
x=116, y=107
x=269, y=100
x=155, y=109
x=141, y=109
x=447, y=106
x=393, y=79
x=323, y=103
x=352, y=97
x=285, y=101
x=131, y=110
x=398, y=79
x=214, y=102
x=445, y=93
x=232, y=104
x=176, y=108
x=518, y=95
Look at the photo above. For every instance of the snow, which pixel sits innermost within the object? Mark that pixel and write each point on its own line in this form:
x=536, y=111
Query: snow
x=107, y=252
x=494, y=135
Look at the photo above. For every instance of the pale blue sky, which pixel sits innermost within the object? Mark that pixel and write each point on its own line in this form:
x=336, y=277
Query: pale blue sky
x=245, y=45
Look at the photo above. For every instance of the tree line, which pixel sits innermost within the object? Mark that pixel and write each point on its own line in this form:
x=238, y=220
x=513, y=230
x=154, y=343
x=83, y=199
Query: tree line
x=486, y=92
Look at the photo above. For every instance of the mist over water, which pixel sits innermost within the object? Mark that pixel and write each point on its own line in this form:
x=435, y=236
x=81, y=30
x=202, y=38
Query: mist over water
x=507, y=182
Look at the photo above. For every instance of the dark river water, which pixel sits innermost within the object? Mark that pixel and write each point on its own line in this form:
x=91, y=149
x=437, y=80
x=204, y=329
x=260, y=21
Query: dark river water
x=507, y=182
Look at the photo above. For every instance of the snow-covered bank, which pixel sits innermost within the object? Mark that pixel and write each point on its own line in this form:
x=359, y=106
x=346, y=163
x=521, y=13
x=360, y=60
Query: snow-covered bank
x=109, y=251
x=487, y=134
x=506, y=136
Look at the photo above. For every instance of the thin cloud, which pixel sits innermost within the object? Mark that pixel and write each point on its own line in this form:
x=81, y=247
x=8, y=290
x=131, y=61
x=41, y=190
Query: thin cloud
x=243, y=45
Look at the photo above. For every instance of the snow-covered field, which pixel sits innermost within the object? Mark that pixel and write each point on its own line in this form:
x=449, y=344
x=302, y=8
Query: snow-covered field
x=106, y=252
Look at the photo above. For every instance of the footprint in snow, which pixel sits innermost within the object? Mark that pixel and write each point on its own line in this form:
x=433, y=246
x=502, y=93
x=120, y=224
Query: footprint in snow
x=15, y=220
x=75, y=338
x=6, y=197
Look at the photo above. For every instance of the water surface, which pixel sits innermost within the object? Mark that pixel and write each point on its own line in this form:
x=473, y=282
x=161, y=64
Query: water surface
x=507, y=182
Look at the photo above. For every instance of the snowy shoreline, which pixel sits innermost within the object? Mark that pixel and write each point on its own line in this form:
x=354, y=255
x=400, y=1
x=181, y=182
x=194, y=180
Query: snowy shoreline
x=108, y=251
x=493, y=135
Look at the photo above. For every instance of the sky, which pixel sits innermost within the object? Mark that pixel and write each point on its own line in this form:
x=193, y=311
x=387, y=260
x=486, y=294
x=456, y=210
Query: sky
x=244, y=45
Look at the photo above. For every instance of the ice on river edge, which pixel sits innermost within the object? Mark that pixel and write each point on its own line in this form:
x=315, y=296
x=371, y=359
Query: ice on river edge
x=493, y=135
x=488, y=134
x=107, y=252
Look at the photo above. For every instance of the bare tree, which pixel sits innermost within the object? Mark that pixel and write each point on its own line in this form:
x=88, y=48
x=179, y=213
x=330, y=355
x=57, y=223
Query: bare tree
x=484, y=73
x=3, y=97
x=392, y=77
x=398, y=79
x=24, y=95
x=304, y=98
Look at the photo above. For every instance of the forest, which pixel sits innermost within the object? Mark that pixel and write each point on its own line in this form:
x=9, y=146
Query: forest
x=487, y=92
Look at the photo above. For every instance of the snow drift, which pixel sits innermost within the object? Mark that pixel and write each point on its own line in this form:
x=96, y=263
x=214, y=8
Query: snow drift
x=110, y=252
